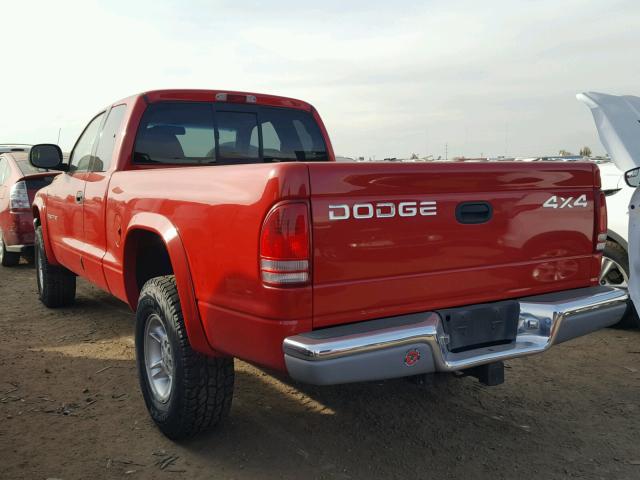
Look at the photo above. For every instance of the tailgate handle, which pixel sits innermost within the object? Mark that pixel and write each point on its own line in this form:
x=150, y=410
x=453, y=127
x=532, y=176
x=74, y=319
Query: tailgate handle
x=474, y=212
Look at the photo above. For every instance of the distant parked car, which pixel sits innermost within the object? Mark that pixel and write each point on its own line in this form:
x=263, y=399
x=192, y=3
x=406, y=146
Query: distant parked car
x=19, y=182
x=14, y=147
x=615, y=260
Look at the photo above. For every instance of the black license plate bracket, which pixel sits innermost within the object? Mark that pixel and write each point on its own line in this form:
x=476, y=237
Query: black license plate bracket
x=481, y=325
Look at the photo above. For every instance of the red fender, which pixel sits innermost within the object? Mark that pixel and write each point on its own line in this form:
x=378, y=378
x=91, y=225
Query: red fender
x=162, y=226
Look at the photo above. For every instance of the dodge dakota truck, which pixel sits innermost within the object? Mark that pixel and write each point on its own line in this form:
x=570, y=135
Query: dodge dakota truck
x=225, y=223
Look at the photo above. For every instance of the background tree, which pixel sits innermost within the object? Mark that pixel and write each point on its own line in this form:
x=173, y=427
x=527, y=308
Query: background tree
x=585, y=151
x=565, y=153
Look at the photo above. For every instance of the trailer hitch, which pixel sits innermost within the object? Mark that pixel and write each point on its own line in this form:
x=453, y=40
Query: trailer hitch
x=490, y=374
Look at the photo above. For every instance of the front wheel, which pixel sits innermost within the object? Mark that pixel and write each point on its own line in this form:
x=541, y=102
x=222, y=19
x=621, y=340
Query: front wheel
x=615, y=273
x=185, y=392
x=56, y=284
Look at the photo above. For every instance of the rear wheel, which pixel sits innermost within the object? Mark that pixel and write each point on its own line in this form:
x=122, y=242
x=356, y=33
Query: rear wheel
x=615, y=273
x=185, y=392
x=7, y=259
x=56, y=284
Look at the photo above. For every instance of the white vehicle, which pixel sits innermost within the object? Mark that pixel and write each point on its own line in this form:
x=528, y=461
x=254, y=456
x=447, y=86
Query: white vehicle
x=618, y=121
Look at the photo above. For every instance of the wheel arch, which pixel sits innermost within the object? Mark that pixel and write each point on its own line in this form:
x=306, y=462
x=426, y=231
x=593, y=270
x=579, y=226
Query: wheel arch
x=611, y=235
x=153, y=230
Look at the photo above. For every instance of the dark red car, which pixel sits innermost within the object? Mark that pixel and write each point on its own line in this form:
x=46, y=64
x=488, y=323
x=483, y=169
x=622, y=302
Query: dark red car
x=19, y=182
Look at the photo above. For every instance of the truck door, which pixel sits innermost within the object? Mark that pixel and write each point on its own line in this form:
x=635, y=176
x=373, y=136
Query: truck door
x=66, y=198
x=95, y=196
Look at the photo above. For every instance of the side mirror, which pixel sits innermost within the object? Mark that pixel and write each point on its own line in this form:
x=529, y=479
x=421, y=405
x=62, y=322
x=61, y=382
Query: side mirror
x=47, y=155
x=632, y=177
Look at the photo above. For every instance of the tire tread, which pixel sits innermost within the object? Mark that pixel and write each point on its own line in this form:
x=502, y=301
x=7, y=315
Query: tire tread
x=616, y=252
x=59, y=284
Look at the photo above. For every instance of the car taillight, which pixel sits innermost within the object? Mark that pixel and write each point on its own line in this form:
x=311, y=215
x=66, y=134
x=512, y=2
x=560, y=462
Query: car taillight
x=284, y=245
x=601, y=223
x=18, y=197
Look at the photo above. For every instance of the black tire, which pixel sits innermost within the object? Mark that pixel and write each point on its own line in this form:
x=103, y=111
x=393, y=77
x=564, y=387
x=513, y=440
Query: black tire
x=201, y=389
x=7, y=259
x=619, y=255
x=56, y=284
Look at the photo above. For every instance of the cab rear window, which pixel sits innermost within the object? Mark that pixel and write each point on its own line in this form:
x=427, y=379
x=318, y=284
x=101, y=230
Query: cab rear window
x=198, y=133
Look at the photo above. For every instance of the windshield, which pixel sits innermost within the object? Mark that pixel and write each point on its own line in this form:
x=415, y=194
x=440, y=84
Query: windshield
x=197, y=133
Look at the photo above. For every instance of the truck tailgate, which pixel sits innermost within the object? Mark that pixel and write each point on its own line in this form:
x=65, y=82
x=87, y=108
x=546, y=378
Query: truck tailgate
x=398, y=238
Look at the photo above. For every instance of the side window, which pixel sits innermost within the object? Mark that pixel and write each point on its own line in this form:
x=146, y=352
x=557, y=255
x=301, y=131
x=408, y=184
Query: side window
x=81, y=155
x=107, y=141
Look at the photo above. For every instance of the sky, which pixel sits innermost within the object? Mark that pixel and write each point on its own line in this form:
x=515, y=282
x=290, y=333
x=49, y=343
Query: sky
x=389, y=78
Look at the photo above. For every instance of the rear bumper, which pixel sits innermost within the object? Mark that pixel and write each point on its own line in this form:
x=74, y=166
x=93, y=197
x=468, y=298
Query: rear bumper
x=18, y=248
x=19, y=230
x=416, y=343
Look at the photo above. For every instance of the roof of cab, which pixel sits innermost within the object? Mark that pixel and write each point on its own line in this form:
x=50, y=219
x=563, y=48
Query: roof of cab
x=194, y=95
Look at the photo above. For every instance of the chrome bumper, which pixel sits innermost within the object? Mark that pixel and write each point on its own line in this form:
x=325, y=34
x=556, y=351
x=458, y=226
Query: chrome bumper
x=378, y=349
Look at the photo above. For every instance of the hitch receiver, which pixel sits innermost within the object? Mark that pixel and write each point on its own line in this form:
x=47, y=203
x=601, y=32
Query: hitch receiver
x=491, y=374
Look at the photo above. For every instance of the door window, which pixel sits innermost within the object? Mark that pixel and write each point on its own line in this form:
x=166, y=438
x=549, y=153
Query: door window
x=107, y=141
x=81, y=155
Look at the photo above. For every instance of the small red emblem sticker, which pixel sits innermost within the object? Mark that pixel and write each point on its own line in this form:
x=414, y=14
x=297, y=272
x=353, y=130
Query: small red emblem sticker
x=412, y=357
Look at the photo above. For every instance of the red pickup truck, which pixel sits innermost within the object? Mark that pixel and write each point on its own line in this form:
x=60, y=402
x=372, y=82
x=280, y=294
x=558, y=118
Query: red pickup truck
x=223, y=220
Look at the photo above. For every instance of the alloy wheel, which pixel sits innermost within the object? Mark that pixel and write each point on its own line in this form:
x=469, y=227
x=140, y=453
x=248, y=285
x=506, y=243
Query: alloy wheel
x=612, y=274
x=158, y=358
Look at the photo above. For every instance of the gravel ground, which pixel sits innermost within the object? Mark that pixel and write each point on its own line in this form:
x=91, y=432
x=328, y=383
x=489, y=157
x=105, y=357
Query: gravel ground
x=70, y=408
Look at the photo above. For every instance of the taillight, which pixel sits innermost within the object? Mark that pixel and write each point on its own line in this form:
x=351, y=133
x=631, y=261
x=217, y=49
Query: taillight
x=601, y=223
x=18, y=197
x=284, y=245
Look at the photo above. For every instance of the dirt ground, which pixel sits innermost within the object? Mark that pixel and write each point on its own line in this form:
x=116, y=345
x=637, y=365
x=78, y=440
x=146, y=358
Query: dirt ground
x=70, y=408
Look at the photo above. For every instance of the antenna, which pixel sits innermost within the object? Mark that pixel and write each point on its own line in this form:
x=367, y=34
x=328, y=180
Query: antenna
x=426, y=142
x=506, y=139
x=59, y=130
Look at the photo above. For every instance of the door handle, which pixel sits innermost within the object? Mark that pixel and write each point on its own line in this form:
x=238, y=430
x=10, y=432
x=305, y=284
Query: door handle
x=79, y=196
x=474, y=212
